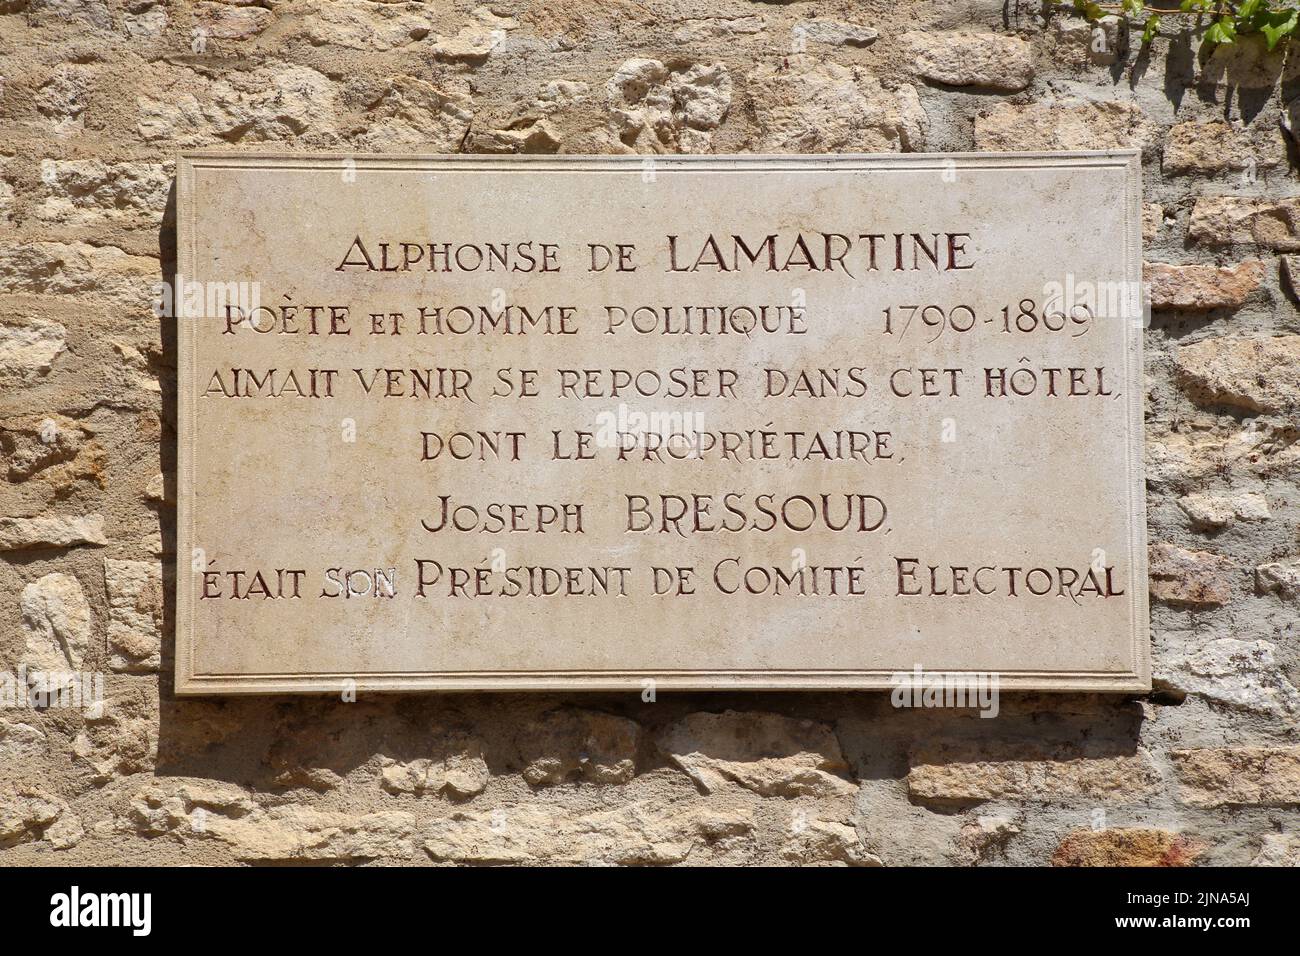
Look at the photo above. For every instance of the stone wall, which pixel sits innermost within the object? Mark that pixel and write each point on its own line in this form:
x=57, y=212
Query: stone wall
x=96, y=97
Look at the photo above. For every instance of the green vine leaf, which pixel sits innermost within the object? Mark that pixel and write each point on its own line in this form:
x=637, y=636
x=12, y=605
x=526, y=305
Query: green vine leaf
x=1151, y=29
x=1091, y=11
x=1277, y=25
x=1273, y=20
x=1221, y=33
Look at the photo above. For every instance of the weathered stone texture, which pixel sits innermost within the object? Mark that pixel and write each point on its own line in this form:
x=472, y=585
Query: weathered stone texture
x=77, y=268
x=1153, y=215
x=1278, y=849
x=973, y=772
x=27, y=816
x=1238, y=776
x=52, y=449
x=96, y=99
x=1127, y=847
x=51, y=531
x=226, y=22
x=834, y=32
x=1243, y=674
x=88, y=191
x=1232, y=220
x=1198, y=287
x=586, y=744
x=677, y=109
x=20, y=742
x=1220, y=511
x=135, y=614
x=631, y=834
x=28, y=350
x=228, y=818
x=1280, y=577
x=766, y=753
x=972, y=59
x=1259, y=375
x=1107, y=124
x=1216, y=147
x=56, y=617
x=1079, y=43
x=1194, y=578
x=462, y=774
x=814, y=106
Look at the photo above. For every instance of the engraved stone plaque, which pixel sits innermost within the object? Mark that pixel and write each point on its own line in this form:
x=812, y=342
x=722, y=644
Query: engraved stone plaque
x=455, y=423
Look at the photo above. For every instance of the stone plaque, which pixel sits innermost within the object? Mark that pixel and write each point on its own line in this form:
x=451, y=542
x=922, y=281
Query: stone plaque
x=456, y=423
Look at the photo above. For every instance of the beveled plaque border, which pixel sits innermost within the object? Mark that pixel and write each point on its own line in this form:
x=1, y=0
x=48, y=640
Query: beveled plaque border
x=1136, y=678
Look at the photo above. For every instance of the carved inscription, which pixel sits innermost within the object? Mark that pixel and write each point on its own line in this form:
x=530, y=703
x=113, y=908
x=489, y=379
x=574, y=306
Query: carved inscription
x=684, y=422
